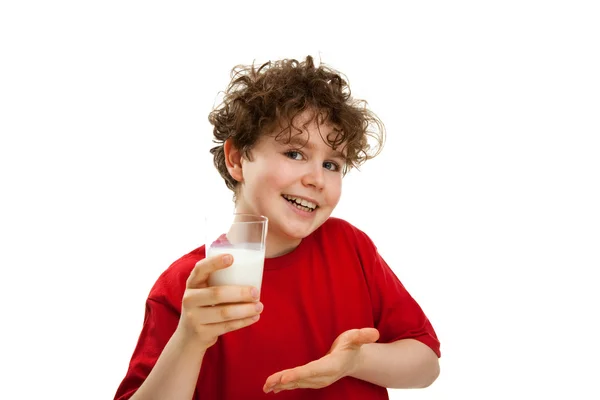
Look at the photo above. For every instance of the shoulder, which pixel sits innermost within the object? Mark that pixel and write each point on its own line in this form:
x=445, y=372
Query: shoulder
x=342, y=235
x=170, y=285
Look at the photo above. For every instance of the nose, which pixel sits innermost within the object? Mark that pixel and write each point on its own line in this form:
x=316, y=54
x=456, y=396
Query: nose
x=314, y=176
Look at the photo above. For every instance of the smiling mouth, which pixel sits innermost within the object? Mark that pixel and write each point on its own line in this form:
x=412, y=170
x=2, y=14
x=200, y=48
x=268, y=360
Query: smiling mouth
x=300, y=204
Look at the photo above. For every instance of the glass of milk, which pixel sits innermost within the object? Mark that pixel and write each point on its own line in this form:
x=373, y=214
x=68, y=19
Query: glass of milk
x=243, y=236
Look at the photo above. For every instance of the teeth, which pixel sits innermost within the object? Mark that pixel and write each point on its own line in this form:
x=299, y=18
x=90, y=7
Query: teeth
x=298, y=206
x=302, y=202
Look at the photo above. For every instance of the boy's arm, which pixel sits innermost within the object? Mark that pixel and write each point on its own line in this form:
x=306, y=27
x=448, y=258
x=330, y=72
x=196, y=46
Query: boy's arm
x=176, y=371
x=403, y=364
x=406, y=363
x=167, y=367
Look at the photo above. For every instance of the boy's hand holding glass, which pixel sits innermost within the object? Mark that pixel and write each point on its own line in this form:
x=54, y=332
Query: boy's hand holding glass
x=208, y=312
x=223, y=290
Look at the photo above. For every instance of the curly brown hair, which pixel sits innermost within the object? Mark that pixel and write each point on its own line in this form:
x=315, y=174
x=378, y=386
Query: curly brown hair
x=278, y=91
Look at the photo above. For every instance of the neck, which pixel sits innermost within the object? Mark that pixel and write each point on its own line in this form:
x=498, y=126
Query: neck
x=277, y=246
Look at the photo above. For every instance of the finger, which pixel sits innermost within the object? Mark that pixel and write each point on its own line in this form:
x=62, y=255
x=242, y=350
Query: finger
x=233, y=325
x=316, y=382
x=290, y=386
x=273, y=380
x=219, y=295
x=305, y=373
x=223, y=313
x=355, y=338
x=316, y=374
x=204, y=267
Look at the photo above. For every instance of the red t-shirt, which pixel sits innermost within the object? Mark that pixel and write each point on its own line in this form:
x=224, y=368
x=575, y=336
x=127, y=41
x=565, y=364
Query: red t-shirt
x=334, y=281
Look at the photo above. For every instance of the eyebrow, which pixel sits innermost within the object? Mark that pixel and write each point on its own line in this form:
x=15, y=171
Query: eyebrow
x=295, y=140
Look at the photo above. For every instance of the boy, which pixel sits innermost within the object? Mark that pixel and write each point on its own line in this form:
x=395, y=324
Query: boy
x=333, y=317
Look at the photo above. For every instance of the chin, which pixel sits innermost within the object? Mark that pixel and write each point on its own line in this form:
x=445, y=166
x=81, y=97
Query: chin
x=301, y=231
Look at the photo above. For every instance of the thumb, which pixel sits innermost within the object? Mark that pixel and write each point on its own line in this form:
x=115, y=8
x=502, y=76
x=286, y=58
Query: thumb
x=366, y=336
x=204, y=267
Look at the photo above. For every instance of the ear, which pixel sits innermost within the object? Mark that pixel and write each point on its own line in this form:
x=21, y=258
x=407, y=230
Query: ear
x=233, y=160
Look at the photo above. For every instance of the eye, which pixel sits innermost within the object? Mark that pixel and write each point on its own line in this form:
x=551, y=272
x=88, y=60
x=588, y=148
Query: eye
x=294, y=155
x=331, y=166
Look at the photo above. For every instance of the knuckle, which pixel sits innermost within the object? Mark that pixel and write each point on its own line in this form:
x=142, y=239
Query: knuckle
x=187, y=299
x=225, y=313
x=217, y=294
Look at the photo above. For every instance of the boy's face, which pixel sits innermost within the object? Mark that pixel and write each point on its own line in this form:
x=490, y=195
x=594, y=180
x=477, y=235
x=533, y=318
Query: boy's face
x=306, y=170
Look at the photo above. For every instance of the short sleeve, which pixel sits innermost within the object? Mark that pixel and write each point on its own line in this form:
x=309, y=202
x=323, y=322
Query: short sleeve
x=396, y=313
x=163, y=310
x=160, y=321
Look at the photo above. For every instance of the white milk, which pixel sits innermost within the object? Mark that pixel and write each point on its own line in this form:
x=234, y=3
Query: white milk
x=247, y=267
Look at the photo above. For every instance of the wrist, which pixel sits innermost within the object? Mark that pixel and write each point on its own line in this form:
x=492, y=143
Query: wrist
x=358, y=362
x=189, y=341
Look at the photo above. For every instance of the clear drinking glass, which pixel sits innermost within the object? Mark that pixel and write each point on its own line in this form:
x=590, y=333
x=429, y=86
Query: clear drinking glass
x=243, y=236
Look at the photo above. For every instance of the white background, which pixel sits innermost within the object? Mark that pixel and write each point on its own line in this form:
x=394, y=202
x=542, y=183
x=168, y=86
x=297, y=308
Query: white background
x=484, y=200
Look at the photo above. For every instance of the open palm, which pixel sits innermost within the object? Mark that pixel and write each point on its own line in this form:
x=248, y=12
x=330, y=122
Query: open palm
x=339, y=362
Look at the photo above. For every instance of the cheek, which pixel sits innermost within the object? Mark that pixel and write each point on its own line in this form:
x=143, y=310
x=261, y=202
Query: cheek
x=268, y=180
x=335, y=191
x=272, y=180
x=279, y=177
